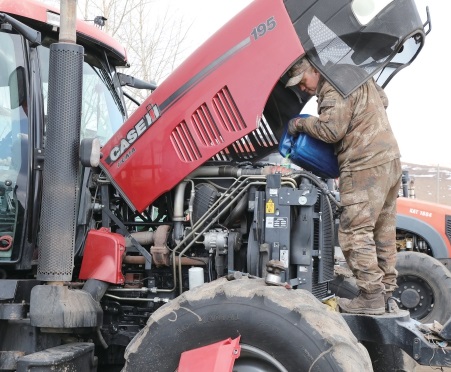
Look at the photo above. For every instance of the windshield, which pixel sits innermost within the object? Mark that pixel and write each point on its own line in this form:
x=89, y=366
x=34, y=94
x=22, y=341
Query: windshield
x=102, y=111
x=13, y=136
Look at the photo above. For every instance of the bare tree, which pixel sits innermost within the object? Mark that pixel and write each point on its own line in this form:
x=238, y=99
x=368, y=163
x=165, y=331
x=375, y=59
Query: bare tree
x=153, y=39
x=154, y=43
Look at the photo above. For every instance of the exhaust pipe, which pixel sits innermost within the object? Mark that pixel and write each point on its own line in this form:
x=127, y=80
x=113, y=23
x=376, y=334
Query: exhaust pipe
x=61, y=164
x=69, y=308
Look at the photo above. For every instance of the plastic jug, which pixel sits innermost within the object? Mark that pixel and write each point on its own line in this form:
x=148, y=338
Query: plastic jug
x=310, y=153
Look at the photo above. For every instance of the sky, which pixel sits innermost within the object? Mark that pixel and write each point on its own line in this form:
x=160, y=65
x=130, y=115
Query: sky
x=418, y=97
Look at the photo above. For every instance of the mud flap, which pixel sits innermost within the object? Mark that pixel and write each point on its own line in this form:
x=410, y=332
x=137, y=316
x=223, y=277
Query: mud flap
x=217, y=357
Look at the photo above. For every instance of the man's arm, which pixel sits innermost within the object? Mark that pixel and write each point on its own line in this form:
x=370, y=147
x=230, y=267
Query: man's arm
x=382, y=95
x=335, y=114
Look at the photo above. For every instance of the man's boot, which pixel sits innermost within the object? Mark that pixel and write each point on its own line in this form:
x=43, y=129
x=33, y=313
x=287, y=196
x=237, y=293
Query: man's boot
x=364, y=303
x=391, y=302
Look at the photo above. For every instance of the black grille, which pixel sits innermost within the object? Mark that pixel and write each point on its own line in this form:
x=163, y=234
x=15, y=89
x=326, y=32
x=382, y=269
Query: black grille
x=323, y=259
x=448, y=227
x=256, y=145
x=326, y=241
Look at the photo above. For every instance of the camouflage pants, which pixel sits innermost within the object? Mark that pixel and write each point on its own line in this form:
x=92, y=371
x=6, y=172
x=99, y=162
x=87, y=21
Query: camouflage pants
x=367, y=232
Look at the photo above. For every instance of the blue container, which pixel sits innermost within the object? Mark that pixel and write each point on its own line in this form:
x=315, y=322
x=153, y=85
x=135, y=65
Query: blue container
x=310, y=153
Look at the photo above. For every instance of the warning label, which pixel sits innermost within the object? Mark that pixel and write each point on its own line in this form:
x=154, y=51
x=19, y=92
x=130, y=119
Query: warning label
x=276, y=222
x=270, y=206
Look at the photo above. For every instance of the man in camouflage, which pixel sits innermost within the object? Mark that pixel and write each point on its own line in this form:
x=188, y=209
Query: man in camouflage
x=370, y=177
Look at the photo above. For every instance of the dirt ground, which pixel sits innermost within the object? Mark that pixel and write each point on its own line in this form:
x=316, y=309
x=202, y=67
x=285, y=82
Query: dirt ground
x=431, y=369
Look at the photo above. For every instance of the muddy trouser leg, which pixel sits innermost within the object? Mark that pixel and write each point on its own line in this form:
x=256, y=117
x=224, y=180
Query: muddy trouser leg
x=363, y=194
x=385, y=229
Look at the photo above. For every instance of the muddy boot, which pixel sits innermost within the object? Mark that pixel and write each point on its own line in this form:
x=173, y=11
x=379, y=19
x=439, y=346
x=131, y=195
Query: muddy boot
x=391, y=302
x=364, y=303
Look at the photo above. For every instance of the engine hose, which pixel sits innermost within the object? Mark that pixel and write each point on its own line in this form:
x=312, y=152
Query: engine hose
x=96, y=288
x=323, y=188
x=6, y=242
x=237, y=211
x=230, y=171
x=101, y=339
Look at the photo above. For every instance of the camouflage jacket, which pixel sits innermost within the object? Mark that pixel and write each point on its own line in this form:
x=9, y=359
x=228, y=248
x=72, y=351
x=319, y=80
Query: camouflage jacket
x=358, y=126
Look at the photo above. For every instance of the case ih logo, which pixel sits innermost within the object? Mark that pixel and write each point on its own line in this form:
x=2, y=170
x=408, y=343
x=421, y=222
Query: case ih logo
x=153, y=113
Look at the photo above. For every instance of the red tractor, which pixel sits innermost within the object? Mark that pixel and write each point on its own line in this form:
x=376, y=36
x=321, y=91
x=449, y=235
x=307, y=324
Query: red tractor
x=423, y=231
x=162, y=241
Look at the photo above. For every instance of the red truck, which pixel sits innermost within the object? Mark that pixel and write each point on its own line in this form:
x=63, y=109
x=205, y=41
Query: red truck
x=160, y=241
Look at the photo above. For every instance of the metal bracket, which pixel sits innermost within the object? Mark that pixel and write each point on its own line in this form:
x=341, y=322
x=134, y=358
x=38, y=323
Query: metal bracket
x=38, y=163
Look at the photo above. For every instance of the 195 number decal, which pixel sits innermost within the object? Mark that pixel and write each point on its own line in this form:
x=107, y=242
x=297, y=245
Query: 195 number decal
x=262, y=28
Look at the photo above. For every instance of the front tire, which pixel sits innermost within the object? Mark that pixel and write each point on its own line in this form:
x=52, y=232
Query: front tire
x=281, y=330
x=424, y=287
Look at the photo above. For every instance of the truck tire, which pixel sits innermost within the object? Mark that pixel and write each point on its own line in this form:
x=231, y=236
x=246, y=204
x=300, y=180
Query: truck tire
x=424, y=287
x=280, y=329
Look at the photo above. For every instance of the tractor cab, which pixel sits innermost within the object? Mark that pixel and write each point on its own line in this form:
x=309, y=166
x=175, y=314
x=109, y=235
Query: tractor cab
x=25, y=37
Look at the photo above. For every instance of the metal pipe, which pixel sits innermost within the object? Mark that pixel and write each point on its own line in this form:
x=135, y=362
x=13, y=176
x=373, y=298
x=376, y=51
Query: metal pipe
x=142, y=237
x=185, y=261
x=178, y=201
x=68, y=28
x=61, y=180
x=155, y=299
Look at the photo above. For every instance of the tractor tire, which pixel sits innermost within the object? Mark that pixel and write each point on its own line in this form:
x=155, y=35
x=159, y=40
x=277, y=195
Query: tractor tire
x=280, y=329
x=424, y=287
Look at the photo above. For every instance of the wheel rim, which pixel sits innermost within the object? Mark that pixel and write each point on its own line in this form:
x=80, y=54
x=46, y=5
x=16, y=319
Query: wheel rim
x=415, y=295
x=253, y=359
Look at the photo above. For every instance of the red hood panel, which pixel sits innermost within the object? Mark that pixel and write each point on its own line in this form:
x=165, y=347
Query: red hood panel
x=213, y=99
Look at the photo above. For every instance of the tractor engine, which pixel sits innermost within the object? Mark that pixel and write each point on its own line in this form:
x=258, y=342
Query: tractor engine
x=262, y=221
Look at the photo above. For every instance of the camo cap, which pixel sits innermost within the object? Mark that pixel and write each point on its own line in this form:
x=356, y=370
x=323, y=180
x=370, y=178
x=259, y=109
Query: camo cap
x=296, y=72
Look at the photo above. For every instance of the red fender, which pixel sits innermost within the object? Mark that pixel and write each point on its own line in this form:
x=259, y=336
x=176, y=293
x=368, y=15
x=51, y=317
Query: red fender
x=218, y=357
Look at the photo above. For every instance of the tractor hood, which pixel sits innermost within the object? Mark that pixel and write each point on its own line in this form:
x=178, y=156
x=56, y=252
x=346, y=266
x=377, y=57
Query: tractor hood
x=228, y=100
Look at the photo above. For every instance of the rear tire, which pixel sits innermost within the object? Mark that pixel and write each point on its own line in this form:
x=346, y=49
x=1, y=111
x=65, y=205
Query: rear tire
x=292, y=327
x=424, y=287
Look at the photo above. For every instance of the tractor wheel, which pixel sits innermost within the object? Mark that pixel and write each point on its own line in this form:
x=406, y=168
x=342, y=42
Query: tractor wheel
x=280, y=329
x=424, y=287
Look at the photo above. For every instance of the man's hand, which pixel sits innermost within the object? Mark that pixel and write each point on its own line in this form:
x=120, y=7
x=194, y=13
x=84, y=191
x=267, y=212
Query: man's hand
x=294, y=126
